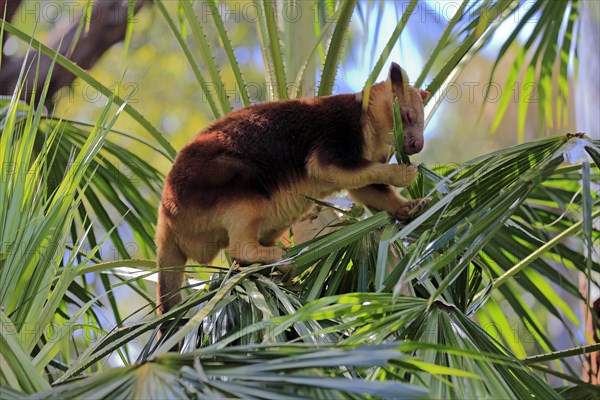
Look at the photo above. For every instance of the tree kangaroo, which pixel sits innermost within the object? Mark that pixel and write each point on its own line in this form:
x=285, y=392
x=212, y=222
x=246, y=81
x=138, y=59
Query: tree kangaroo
x=243, y=181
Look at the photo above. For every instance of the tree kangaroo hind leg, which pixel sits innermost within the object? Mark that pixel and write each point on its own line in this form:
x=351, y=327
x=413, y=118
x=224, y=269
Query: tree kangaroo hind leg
x=270, y=239
x=244, y=245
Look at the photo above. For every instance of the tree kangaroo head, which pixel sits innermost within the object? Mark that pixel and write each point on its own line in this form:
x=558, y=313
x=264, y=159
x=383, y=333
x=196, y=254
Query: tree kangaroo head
x=379, y=117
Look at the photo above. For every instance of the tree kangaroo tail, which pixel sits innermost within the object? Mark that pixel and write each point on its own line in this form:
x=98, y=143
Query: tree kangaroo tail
x=170, y=260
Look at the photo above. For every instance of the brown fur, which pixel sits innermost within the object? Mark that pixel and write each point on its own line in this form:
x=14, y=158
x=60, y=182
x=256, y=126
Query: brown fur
x=243, y=181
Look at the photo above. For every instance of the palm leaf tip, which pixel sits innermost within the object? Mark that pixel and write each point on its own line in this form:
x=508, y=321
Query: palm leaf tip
x=399, y=134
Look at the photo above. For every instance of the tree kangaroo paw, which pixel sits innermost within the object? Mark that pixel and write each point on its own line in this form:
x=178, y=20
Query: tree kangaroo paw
x=407, y=211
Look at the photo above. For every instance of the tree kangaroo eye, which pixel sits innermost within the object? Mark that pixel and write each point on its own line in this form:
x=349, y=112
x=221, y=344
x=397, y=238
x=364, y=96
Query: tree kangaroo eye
x=408, y=115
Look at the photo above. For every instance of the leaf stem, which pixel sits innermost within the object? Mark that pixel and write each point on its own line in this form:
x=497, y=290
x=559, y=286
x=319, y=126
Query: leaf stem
x=557, y=355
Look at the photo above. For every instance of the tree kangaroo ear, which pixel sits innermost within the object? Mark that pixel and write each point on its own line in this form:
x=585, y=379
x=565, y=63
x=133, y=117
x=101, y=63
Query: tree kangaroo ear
x=424, y=94
x=398, y=78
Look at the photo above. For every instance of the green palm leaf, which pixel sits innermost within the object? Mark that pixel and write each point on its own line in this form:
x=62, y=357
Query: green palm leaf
x=335, y=48
x=249, y=371
x=80, y=73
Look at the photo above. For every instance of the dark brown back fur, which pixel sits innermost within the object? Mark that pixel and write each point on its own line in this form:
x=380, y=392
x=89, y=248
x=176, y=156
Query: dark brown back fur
x=259, y=149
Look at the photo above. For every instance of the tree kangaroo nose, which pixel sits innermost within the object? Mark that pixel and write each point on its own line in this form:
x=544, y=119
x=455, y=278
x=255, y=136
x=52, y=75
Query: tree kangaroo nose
x=414, y=146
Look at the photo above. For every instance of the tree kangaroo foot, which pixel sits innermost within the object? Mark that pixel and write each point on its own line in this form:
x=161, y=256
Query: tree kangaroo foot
x=408, y=211
x=285, y=271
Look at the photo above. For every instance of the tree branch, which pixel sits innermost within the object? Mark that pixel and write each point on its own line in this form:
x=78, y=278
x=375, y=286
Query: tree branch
x=108, y=24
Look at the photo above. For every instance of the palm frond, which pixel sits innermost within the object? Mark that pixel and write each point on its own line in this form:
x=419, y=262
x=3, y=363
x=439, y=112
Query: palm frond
x=207, y=56
x=239, y=79
x=335, y=48
x=191, y=60
x=548, y=45
x=438, y=334
x=263, y=372
x=33, y=266
x=83, y=75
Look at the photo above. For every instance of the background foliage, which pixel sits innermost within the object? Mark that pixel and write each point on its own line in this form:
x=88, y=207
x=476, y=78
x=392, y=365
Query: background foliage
x=464, y=301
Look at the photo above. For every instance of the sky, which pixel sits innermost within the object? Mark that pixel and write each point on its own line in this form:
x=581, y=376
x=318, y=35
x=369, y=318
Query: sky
x=429, y=18
x=424, y=28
